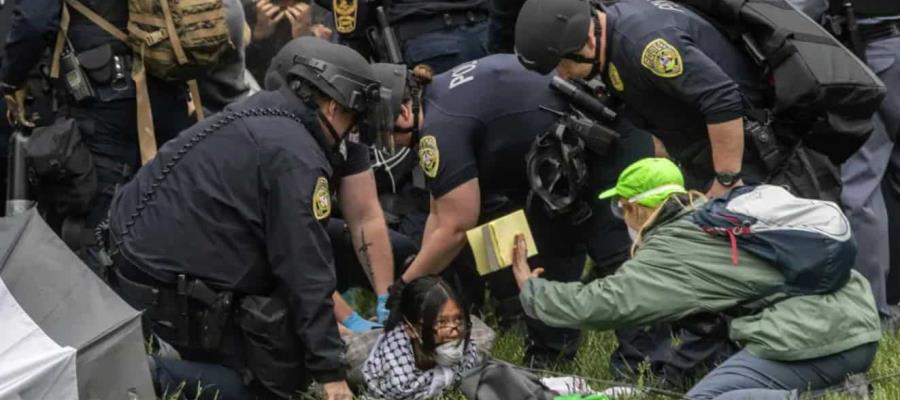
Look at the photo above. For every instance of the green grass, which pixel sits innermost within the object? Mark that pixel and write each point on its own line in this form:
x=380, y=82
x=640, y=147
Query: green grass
x=592, y=361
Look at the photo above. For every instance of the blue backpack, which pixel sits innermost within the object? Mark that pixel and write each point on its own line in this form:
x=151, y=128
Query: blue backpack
x=809, y=241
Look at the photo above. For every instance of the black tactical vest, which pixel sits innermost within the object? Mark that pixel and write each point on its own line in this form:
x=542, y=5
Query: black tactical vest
x=84, y=34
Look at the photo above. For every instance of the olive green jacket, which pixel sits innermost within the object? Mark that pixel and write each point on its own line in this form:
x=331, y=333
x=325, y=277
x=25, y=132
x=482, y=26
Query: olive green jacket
x=679, y=270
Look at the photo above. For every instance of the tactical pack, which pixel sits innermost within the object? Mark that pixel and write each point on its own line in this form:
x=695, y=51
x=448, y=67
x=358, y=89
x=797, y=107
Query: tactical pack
x=819, y=84
x=809, y=241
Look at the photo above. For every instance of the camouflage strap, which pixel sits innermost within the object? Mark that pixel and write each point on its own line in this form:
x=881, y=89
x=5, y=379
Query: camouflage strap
x=173, y=34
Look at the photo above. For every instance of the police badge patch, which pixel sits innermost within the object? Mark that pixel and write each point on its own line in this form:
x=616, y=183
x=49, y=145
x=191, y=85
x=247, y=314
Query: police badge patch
x=662, y=59
x=429, y=157
x=344, y=15
x=321, y=200
x=615, y=79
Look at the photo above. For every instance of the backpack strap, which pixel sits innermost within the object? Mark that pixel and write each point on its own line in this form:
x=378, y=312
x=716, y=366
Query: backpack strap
x=173, y=34
x=195, y=97
x=146, y=131
x=60, y=42
x=98, y=20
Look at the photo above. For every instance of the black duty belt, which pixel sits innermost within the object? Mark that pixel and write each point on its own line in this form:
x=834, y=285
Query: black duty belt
x=413, y=26
x=879, y=31
x=183, y=309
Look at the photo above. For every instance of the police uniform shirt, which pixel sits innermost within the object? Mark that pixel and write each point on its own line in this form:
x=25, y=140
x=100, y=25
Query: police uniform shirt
x=675, y=72
x=245, y=210
x=480, y=121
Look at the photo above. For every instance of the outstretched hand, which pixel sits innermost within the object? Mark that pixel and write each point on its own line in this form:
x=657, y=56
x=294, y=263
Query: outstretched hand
x=521, y=269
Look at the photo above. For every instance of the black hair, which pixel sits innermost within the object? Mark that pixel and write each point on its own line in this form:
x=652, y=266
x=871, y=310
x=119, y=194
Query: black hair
x=420, y=302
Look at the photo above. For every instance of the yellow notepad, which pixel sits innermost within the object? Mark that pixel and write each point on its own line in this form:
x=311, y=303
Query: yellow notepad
x=493, y=243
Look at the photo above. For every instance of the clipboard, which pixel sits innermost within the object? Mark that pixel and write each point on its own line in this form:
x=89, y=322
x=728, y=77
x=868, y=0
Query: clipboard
x=493, y=243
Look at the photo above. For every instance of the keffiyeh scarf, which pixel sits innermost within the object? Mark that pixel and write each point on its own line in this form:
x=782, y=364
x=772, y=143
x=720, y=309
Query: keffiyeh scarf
x=390, y=370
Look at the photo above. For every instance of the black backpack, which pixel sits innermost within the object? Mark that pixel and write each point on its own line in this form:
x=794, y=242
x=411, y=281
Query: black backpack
x=818, y=83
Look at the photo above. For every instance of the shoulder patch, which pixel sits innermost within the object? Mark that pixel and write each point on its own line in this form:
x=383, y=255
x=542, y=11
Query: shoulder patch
x=615, y=79
x=344, y=15
x=429, y=156
x=321, y=200
x=662, y=59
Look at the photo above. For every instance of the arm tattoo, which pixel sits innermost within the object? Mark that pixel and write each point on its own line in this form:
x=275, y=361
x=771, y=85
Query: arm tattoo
x=364, y=259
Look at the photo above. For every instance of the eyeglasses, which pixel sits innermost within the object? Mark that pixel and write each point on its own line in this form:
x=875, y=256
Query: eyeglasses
x=617, y=208
x=448, y=325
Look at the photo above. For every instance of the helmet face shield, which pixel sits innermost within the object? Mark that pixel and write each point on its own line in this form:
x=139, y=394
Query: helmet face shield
x=378, y=124
x=361, y=95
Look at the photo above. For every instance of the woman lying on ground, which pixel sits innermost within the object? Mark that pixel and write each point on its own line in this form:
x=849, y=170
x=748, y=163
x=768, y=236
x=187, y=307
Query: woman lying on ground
x=426, y=345
x=800, y=343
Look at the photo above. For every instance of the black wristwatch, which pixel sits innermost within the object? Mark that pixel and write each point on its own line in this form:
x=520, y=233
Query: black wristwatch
x=728, y=179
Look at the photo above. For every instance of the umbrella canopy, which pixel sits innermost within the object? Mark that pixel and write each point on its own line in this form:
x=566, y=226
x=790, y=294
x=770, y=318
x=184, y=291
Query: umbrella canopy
x=74, y=308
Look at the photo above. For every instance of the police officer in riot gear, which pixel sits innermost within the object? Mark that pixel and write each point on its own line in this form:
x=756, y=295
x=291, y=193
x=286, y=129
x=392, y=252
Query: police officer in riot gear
x=481, y=119
x=227, y=226
x=357, y=230
x=107, y=120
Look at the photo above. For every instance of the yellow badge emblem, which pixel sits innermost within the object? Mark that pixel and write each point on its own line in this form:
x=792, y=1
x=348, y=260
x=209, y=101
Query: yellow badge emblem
x=615, y=79
x=429, y=157
x=344, y=15
x=662, y=59
x=321, y=200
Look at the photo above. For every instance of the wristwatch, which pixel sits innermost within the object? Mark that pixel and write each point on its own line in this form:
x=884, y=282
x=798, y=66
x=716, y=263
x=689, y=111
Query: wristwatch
x=728, y=179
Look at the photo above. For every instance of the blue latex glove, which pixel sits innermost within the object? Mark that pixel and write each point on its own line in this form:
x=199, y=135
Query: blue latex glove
x=358, y=324
x=381, y=309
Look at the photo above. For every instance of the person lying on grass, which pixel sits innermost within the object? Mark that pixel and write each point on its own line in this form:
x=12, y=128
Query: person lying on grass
x=800, y=343
x=426, y=345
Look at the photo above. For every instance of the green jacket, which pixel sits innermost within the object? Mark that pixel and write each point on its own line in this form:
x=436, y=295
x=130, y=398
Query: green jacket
x=679, y=270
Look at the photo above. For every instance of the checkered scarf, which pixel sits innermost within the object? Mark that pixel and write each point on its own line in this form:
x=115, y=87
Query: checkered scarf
x=390, y=371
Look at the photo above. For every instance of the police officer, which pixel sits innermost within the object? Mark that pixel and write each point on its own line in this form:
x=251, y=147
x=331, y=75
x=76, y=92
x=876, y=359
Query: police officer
x=357, y=231
x=875, y=167
x=683, y=81
x=400, y=180
x=248, y=194
x=481, y=119
x=677, y=74
x=437, y=33
x=107, y=121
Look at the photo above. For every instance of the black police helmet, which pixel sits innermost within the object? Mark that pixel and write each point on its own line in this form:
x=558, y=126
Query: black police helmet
x=337, y=71
x=547, y=30
x=394, y=77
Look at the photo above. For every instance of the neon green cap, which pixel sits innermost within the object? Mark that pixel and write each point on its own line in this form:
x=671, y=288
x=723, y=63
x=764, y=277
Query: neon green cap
x=648, y=182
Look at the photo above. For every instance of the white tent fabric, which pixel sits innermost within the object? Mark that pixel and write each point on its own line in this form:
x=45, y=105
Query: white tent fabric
x=32, y=366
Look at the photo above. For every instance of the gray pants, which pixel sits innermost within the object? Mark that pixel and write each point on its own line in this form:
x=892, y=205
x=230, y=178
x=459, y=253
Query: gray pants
x=745, y=376
x=862, y=174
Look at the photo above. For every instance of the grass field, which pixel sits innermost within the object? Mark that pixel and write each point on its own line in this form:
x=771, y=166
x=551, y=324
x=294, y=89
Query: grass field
x=592, y=362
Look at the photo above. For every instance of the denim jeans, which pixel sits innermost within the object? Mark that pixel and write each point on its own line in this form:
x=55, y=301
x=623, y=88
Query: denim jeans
x=745, y=376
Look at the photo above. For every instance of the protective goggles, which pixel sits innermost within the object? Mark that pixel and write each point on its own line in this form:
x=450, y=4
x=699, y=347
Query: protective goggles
x=616, y=204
